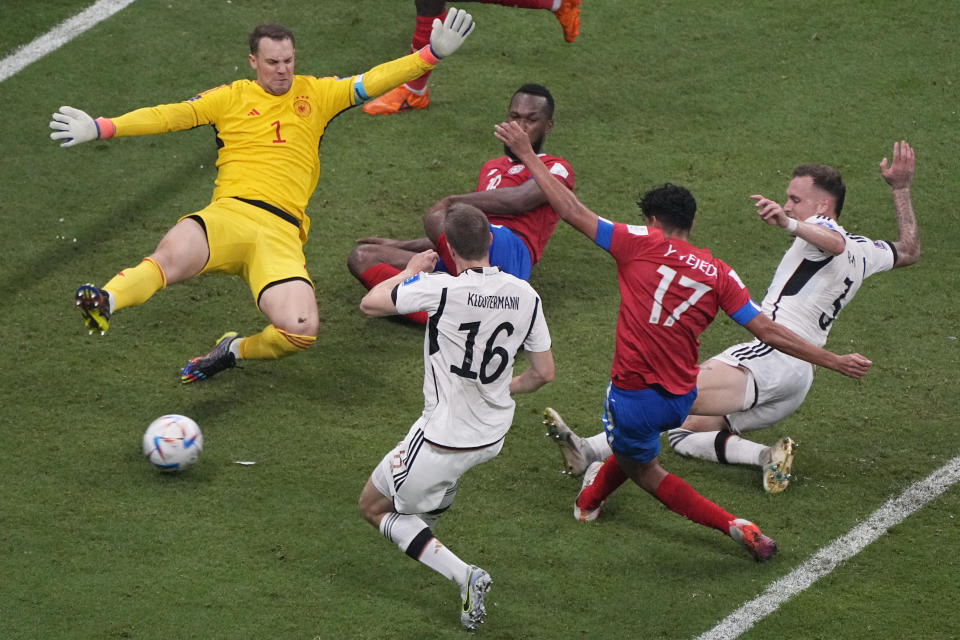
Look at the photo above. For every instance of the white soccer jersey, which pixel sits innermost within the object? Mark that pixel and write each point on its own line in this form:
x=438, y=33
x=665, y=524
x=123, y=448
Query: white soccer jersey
x=478, y=321
x=810, y=286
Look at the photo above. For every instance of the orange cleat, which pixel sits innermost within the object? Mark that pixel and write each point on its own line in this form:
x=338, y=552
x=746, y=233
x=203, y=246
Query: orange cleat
x=569, y=16
x=397, y=100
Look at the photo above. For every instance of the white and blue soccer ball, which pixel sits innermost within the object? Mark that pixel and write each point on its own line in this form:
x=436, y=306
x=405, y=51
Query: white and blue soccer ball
x=172, y=443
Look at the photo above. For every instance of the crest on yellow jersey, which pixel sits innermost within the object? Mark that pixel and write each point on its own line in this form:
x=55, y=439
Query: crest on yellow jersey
x=301, y=106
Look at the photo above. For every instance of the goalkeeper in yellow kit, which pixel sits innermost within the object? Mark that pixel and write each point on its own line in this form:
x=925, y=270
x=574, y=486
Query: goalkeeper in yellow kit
x=268, y=132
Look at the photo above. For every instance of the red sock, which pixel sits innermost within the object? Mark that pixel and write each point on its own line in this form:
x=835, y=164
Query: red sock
x=608, y=479
x=421, y=38
x=522, y=4
x=380, y=272
x=377, y=274
x=680, y=497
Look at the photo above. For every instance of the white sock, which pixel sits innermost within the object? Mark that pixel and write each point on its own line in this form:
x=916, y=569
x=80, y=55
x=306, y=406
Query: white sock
x=740, y=451
x=235, y=347
x=556, y=5
x=414, y=538
x=417, y=92
x=596, y=447
x=436, y=556
x=702, y=444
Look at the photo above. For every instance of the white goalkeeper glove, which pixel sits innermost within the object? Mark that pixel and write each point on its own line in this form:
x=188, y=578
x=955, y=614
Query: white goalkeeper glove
x=447, y=36
x=74, y=126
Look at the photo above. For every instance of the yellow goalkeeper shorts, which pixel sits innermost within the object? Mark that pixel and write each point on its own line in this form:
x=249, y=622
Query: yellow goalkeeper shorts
x=253, y=243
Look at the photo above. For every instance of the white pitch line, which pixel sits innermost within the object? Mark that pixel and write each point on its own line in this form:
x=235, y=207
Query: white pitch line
x=59, y=36
x=827, y=559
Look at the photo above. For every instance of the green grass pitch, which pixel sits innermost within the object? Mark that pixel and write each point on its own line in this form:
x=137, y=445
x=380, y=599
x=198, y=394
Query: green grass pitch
x=724, y=98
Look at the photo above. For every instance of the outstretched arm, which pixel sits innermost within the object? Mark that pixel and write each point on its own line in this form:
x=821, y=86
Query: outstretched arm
x=563, y=201
x=783, y=339
x=821, y=237
x=445, y=38
x=899, y=175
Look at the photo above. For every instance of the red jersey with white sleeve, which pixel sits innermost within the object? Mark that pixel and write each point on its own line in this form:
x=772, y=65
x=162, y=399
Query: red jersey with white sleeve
x=670, y=291
x=536, y=225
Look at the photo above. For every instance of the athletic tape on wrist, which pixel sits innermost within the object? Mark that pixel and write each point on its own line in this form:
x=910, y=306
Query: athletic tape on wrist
x=105, y=128
x=791, y=226
x=427, y=55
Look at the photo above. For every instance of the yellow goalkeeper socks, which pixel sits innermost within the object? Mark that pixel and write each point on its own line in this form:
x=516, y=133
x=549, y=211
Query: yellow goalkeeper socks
x=273, y=343
x=135, y=285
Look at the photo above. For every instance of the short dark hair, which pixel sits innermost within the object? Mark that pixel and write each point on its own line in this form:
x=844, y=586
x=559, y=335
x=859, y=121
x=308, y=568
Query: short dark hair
x=826, y=178
x=272, y=31
x=533, y=89
x=673, y=205
x=467, y=231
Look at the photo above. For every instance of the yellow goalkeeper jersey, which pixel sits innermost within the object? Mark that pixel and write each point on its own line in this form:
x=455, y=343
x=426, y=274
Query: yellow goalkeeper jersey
x=268, y=145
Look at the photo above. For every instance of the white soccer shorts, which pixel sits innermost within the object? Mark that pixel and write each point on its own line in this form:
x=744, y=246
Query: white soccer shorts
x=417, y=474
x=782, y=383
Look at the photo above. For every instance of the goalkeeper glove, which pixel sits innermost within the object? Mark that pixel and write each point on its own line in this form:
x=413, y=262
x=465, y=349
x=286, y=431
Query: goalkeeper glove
x=447, y=36
x=74, y=126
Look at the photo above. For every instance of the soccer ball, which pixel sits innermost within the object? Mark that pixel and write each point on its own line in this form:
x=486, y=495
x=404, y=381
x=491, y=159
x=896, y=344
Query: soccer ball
x=172, y=443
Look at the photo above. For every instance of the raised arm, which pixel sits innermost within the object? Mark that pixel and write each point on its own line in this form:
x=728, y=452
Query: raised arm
x=563, y=201
x=821, y=237
x=445, y=38
x=899, y=175
x=783, y=339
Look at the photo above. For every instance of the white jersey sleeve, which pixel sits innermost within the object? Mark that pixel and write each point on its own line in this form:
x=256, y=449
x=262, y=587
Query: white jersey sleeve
x=810, y=287
x=477, y=322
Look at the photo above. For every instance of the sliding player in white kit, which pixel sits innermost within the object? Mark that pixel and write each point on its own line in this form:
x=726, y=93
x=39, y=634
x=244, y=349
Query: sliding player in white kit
x=478, y=320
x=751, y=386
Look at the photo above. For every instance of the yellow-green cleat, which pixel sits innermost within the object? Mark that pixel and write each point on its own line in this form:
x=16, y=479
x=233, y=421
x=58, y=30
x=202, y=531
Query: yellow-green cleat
x=94, y=306
x=776, y=475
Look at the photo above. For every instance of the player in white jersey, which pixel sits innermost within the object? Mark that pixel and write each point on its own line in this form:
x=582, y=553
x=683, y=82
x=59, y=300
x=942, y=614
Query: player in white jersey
x=751, y=386
x=478, y=321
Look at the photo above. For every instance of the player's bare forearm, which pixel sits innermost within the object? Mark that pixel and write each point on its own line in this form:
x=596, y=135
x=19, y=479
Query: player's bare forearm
x=899, y=175
x=783, y=339
x=773, y=214
x=379, y=300
x=416, y=245
x=539, y=373
x=505, y=201
x=908, y=239
x=821, y=237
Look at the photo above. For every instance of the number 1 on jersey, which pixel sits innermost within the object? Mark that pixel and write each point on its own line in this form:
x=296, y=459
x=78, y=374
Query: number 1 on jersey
x=668, y=275
x=276, y=123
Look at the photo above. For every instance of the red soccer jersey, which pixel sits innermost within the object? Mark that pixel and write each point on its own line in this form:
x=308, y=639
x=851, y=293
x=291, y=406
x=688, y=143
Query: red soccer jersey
x=670, y=291
x=535, y=226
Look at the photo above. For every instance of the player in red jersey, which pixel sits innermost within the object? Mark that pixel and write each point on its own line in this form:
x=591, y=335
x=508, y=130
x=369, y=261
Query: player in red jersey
x=414, y=93
x=521, y=219
x=670, y=291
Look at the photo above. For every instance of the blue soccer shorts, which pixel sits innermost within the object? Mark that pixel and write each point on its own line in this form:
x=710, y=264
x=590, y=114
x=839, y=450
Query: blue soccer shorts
x=507, y=251
x=634, y=418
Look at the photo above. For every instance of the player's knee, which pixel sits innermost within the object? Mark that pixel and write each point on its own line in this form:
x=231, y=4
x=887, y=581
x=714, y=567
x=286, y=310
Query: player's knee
x=365, y=507
x=362, y=258
x=356, y=263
